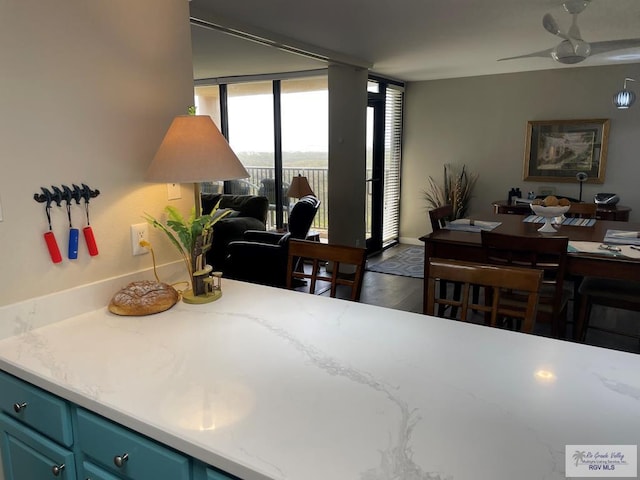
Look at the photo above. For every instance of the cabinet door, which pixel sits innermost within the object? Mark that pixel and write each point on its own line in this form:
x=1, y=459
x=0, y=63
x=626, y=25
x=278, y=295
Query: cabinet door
x=28, y=455
x=89, y=471
x=202, y=471
x=36, y=408
x=216, y=475
x=123, y=452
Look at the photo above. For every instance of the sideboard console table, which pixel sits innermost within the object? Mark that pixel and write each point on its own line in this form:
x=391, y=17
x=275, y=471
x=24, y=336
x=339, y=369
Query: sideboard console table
x=619, y=213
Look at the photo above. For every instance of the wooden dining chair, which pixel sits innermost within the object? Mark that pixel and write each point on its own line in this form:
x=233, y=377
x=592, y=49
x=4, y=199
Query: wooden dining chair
x=333, y=255
x=582, y=210
x=495, y=280
x=609, y=293
x=587, y=211
x=546, y=253
x=440, y=216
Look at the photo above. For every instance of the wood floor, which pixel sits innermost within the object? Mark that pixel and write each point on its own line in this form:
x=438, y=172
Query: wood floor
x=405, y=293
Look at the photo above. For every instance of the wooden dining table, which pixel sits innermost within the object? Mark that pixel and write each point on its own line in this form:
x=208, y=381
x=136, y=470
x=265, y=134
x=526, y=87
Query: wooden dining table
x=462, y=245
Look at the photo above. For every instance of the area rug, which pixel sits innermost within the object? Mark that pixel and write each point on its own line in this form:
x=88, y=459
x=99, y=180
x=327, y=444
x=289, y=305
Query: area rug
x=408, y=262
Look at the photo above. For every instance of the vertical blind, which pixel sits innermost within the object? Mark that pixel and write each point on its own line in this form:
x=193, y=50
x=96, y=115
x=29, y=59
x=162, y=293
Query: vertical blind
x=392, y=162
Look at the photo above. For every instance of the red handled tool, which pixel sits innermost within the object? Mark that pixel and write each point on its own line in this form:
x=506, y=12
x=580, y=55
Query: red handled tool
x=49, y=237
x=87, y=231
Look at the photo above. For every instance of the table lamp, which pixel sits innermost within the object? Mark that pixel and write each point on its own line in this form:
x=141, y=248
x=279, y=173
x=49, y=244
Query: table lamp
x=299, y=187
x=193, y=150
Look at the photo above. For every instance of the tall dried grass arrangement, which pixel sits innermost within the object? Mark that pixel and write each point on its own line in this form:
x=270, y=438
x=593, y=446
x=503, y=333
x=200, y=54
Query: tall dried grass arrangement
x=456, y=190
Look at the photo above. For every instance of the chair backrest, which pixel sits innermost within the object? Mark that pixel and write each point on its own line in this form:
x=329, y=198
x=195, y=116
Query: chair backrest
x=237, y=187
x=495, y=279
x=582, y=210
x=268, y=189
x=548, y=254
x=439, y=216
x=302, y=215
x=245, y=205
x=319, y=253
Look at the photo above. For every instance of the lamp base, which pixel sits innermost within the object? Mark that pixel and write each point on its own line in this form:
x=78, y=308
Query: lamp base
x=189, y=297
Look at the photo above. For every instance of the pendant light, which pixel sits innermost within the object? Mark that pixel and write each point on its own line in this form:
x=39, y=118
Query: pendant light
x=624, y=98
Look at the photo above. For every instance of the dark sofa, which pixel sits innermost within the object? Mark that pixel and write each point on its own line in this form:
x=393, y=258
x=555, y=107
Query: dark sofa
x=262, y=256
x=249, y=212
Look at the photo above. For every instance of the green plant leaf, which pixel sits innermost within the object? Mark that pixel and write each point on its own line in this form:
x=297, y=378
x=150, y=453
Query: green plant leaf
x=156, y=224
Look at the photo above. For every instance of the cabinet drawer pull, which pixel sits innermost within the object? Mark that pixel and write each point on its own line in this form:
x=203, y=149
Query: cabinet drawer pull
x=18, y=407
x=120, y=460
x=56, y=469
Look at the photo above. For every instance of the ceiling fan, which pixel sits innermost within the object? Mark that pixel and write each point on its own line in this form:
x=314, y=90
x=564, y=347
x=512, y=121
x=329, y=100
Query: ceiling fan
x=573, y=49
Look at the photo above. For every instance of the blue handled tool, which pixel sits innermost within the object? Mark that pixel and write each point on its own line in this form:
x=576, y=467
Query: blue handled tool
x=74, y=233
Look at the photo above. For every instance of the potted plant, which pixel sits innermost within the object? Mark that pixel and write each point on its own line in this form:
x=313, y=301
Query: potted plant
x=456, y=190
x=192, y=237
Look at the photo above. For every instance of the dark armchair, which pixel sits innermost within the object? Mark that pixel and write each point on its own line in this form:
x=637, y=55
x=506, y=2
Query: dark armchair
x=248, y=212
x=261, y=257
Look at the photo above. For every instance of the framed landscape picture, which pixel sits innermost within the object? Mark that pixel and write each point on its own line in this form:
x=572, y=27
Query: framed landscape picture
x=557, y=150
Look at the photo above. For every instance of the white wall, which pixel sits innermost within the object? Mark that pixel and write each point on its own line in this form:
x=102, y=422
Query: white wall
x=88, y=90
x=481, y=122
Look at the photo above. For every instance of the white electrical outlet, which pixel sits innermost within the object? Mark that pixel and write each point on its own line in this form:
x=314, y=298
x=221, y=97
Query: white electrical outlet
x=139, y=232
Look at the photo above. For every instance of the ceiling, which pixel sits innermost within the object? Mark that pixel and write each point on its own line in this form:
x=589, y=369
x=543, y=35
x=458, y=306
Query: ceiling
x=409, y=40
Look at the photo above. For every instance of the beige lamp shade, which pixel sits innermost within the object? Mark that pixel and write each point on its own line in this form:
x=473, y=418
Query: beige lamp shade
x=299, y=187
x=194, y=150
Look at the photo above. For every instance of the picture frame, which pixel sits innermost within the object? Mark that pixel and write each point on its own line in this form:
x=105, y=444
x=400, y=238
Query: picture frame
x=559, y=150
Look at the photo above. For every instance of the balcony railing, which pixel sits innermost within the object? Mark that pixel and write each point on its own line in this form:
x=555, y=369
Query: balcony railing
x=253, y=185
x=318, y=180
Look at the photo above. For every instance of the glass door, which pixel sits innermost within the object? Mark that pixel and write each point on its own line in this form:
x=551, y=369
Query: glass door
x=383, y=158
x=374, y=173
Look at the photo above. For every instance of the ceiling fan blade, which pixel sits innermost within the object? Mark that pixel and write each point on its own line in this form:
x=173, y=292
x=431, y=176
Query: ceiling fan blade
x=612, y=45
x=542, y=54
x=550, y=25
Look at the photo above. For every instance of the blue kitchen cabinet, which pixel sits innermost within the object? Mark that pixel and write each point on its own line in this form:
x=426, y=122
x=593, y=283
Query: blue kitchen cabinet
x=35, y=431
x=91, y=471
x=201, y=471
x=217, y=475
x=43, y=436
x=37, y=409
x=28, y=455
x=124, y=452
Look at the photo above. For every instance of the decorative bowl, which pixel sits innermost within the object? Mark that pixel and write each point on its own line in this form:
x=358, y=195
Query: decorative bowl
x=549, y=214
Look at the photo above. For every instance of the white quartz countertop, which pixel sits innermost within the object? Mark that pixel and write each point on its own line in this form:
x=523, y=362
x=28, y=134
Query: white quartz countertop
x=273, y=384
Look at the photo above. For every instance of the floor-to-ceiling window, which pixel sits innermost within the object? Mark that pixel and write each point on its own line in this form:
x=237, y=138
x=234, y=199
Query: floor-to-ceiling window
x=305, y=137
x=251, y=133
x=279, y=129
x=383, y=155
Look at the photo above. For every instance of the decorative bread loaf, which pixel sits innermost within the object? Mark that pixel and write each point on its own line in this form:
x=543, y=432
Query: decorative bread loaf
x=143, y=298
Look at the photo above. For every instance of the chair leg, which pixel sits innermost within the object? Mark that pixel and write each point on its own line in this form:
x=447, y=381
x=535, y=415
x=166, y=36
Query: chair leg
x=442, y=294
x=475, y=296
x=580, y=333
x=576, y=303
x=457, y=295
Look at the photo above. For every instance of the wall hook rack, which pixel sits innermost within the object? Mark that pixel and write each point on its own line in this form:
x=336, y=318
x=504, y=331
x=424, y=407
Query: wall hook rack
x=64, y=193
